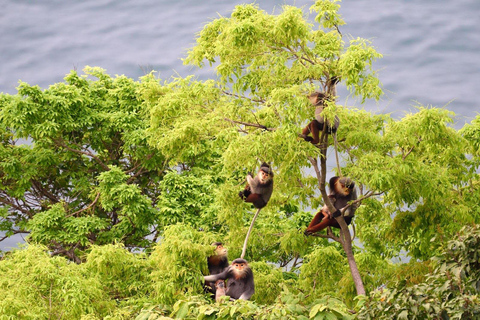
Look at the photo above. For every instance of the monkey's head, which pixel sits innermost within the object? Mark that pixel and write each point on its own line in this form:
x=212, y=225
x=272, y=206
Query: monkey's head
x=316, y=98
x=265, y=173
x=220, y=284
x=342, y=185
x=220, y=250
x=240, y=268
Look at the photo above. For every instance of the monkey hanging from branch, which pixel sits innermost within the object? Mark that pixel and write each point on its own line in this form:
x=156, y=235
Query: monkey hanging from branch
x=257, y=191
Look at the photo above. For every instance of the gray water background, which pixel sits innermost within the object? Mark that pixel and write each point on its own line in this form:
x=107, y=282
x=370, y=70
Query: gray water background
x=431, y=48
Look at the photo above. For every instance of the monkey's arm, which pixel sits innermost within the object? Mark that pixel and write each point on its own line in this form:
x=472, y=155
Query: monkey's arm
x=219, y=276
x=249, y=292
x=350, y=211
x=251, y=180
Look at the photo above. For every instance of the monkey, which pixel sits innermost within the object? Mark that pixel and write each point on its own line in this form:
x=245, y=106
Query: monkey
x=219, y=289
x=316, y=125
x=239, y=278
x=259, y=189
x=342, y=191
x=217, y=263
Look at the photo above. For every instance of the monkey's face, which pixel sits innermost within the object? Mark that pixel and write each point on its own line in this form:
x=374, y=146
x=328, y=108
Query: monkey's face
x=263, y=176
x=340, y=188
x=220, y=284
x=313, y=99
x=220, y=250
x=239, y=269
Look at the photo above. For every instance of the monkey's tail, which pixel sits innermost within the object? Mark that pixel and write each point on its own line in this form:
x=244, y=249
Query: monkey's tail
x=248, y=233
x=334, y=135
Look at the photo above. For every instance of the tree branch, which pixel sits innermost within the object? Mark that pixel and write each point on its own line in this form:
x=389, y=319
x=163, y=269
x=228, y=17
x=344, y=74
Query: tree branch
x=86, y=208
x=14, y=232
x=242, y=97
x=251, y=124
x=87, y=153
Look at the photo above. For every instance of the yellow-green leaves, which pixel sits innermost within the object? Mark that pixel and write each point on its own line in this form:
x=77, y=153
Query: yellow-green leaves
x=327, y=13
x=357, y=71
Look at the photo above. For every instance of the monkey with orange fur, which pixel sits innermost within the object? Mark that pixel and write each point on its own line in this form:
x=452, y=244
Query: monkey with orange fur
x=342, y=191
x=239, y=278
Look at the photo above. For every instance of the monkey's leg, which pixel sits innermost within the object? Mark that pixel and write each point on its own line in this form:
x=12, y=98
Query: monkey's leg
x=316, y=220
x=245, y=193
x=256, y=199
x=306, y=131
x=322, y=225
x=315, y=128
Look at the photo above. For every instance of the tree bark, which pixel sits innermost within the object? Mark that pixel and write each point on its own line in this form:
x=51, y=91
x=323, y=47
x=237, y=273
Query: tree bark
x=345, y=237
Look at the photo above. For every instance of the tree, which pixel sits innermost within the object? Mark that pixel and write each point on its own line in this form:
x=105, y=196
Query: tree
x=268, y=64
x=114, y=160
x=75, y=164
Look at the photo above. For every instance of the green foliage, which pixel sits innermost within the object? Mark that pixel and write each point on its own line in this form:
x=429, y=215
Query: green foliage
x=261, y=53
x=288, y=307
x=179, y=262
x=322, y=270
x=451, y=291
x=124, y=275
x=187, y=198
x=420, y=169
x=268, y=282
x=34, y=285
x=97, y=166
x=58, y=143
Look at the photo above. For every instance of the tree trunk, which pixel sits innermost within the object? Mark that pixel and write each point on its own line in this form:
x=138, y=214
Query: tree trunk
x=345, y=237
x=346, y=242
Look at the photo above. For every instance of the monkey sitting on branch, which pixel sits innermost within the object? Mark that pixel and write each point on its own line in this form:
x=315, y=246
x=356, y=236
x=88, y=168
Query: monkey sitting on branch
x=342, y=191
x=315, y=126
x=259, y=189
x=239, y=279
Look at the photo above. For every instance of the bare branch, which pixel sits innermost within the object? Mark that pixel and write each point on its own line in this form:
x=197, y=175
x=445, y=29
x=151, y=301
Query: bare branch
x=14, y=232
x=251, y=124
x=243, y=97
x=86, y=208
x=87, y=153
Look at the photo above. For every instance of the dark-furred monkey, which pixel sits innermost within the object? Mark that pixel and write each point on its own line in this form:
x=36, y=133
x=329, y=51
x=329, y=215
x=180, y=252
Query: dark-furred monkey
x=239, y=279
x=259, y=189
x=217, y=263
x=316, y=125
x=342, y=191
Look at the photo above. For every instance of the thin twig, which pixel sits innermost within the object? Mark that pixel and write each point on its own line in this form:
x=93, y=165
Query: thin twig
x=251, y=124
x=86, y=208
x=334, y=135
x=242, y=97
